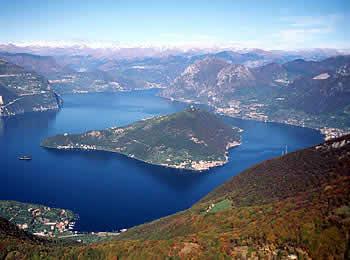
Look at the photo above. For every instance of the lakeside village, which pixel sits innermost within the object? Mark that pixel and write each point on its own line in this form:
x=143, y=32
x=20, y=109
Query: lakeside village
x=200, y=165
x=49, y=222
x=255, y=111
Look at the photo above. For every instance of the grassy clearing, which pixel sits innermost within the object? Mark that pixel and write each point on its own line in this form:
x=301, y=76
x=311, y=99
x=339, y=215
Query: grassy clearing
x=222, y=205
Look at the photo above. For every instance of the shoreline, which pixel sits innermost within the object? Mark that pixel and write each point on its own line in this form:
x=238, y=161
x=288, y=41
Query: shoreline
x=150, y=163
x=327, y=132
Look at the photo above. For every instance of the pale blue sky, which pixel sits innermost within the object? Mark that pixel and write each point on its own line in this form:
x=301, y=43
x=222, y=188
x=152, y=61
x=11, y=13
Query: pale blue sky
x=262, y=23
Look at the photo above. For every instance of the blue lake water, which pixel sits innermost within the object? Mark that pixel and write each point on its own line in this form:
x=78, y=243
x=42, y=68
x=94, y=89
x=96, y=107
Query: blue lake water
x=110, y=191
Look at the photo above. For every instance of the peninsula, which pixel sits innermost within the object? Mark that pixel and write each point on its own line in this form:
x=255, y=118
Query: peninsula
x=193, y=139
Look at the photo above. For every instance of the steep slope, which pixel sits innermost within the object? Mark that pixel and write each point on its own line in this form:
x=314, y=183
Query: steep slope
x=331, y=88
x=292, y=207
x=197, y=82
x=272, y=73
x=302, y=68
x=24, y=91
x=233, y=76
x=307, y=93
x=85, y=82
x=147, y=72
x=16, y=243
x=193, y=139
x=297, y=204
x=7, y=230
x=43, y=65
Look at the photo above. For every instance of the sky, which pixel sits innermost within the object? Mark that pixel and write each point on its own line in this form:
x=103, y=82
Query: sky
x=267, y=24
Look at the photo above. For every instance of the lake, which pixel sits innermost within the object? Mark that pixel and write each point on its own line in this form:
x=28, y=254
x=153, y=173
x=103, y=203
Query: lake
x=110, y=191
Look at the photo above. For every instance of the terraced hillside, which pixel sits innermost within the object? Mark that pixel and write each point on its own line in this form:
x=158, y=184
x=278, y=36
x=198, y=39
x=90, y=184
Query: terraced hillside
x=292, y=207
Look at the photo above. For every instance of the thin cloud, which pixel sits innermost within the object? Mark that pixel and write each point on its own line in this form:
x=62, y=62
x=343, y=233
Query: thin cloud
x=304, y=30
x=313, y=21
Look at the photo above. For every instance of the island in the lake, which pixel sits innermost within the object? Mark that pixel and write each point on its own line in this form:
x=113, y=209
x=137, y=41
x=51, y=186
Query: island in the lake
x=193, y=139
x=290, y=207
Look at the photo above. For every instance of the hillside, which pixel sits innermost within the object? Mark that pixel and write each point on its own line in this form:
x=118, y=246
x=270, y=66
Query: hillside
x=38, y=219
x=24, y=91
x=197, y=81
x=43, y=65
x=193, y=139
x=332, y=89
x=85, y=82
x=306, y=93
x=9, y=231
x=295, y=206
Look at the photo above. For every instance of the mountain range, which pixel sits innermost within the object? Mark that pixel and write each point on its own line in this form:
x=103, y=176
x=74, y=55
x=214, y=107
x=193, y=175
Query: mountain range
x=310, y=92
x=43, y=65
x=119, y=51
x=306, y=88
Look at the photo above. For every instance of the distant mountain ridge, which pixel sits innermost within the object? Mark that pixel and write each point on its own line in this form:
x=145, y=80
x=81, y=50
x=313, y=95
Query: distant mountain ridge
x=315, y=90
x=253, y=84
x=43, y=65
x=119, y=51
x=72, y=67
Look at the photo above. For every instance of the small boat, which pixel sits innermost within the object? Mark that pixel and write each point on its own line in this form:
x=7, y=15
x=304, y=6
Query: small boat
x=25, y=158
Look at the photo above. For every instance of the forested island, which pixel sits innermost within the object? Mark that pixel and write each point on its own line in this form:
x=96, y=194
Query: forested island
x=193, y=139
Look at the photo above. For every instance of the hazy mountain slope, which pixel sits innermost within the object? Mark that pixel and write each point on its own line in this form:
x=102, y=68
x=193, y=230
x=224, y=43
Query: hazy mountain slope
x=325, y=93
x=24, y=91
x=272, y=73
x=302, y=68
x=152, y=71
x=77, y=74
x=43, y=65
x=107, y=74
x=197, y=81
x=307, y=93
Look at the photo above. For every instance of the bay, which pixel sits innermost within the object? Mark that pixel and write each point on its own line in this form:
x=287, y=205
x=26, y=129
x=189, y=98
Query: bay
x=110, y=191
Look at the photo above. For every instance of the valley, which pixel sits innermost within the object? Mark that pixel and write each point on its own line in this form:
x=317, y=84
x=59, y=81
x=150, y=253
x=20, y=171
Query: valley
x=265, y=86
x=290, y=93
x=175, y=130
x=147, y=142
x=65, y=179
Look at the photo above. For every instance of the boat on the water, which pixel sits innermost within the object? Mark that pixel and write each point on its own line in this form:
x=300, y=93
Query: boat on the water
x=25, y=158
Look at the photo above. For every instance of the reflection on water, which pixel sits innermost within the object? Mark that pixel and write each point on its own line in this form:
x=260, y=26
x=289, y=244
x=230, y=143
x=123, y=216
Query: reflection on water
x=110, y=191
